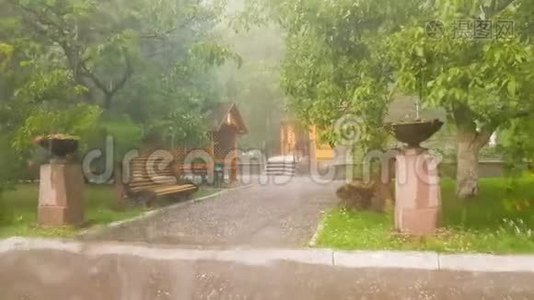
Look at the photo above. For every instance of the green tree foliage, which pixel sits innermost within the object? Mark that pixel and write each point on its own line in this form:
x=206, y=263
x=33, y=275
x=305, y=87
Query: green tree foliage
x=334, y=65
x=517, y=145
x=483, y=84
x=346, y=57
x=77, y=121
x=70, y=64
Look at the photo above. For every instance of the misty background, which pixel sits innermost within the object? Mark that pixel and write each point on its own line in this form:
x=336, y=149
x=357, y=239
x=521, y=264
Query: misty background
x=255, y=84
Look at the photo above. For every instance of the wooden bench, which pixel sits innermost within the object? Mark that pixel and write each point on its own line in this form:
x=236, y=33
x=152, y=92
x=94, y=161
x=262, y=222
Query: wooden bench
x=147, y=181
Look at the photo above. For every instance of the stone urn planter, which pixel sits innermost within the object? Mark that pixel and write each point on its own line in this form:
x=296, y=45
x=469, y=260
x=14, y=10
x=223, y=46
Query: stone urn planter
x=61, y=183
x=418, y=192
x=59, y=145
x=414, y=133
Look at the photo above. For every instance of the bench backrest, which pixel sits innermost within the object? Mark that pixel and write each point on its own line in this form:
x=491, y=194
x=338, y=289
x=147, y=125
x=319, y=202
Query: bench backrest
x=146, y=173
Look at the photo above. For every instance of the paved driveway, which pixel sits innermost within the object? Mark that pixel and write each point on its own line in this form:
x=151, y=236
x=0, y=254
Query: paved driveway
x=267, y=215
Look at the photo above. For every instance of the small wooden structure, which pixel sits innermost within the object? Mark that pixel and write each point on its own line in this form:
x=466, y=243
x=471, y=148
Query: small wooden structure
x=298, y=141
x=226, y=126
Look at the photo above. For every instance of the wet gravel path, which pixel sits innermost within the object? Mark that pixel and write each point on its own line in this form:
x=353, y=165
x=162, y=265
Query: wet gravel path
x=266, y=215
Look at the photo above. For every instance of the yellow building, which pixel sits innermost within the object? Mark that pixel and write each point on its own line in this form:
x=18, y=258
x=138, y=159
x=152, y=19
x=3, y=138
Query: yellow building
x=304, y=142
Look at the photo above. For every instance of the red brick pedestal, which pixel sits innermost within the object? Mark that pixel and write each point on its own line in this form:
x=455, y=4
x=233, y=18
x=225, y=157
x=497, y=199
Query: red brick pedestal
x=418, y=193
x=61, y=195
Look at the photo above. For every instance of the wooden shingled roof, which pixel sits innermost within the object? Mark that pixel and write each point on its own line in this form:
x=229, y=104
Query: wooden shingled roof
x=223, y=113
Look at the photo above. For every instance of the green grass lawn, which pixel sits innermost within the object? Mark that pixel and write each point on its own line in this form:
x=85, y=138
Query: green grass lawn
x=99, y=210
x=499, y=220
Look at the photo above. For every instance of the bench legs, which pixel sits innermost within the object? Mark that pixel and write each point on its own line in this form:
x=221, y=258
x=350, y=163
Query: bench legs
x=146, y=199
x=182, y=196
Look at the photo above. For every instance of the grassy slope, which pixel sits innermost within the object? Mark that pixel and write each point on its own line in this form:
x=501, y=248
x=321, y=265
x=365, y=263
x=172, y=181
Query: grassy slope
x=99, y=201
x=469, y=226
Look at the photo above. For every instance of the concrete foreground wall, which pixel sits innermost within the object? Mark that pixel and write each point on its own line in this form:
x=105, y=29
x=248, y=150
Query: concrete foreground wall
x=56, y=270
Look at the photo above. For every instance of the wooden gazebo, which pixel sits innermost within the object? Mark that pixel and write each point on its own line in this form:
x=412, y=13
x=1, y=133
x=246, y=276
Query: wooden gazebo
x=226, y=126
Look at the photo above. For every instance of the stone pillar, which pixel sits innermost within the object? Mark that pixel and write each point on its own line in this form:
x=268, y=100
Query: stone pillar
x=418, y=192
x=61, y=195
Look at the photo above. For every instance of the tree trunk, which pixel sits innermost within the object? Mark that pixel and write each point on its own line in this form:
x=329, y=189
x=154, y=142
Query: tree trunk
x=470, y=140
x=108, y=97
x=467, y=168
